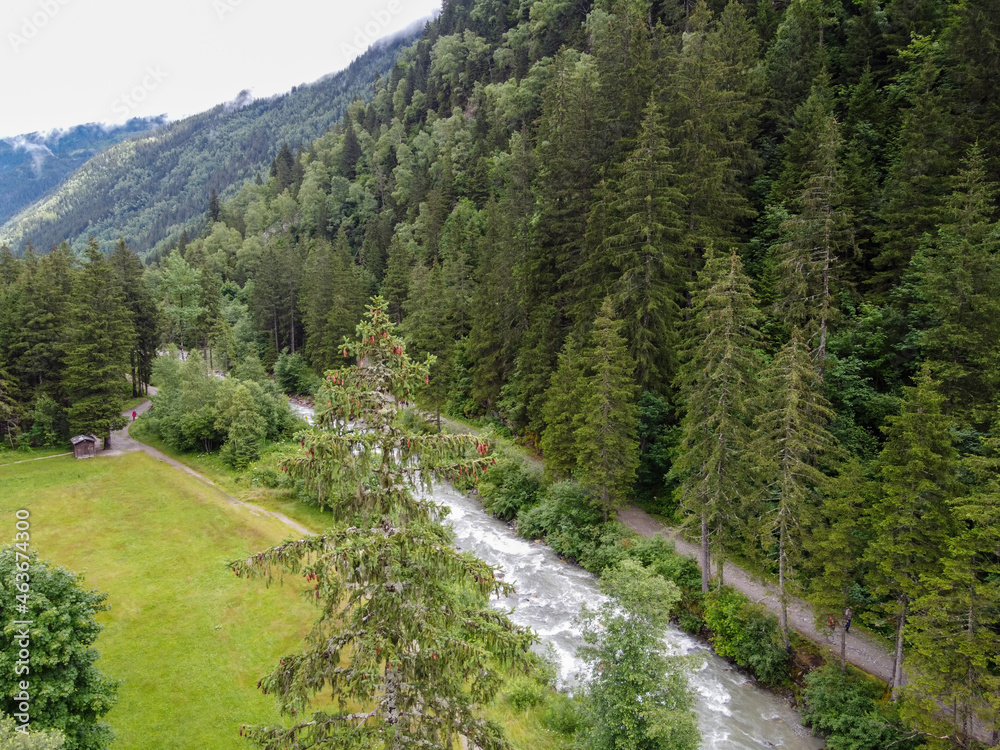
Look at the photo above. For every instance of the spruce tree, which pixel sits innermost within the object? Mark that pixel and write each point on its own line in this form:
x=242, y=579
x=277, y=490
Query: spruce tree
x=245, y=429
x=717, y=382
x=100, y=337
x=406, y=645
x=145, y=319
x=955, y=277
x=713, y=101
x=40, y=300
x=814, y=241
x=500, y=302
x=954, y=631
x=563, y=411
x=396, y=283
x=924, y=152
x=607, y=440
x=621, y=44
x=427, y=332
x=913, y=519
x=800, y=50
x=644, y=247
x=791, y=442
x=836, y=541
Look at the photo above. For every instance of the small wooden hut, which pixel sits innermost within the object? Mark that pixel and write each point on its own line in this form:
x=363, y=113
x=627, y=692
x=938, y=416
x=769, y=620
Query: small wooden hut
x=85, y=446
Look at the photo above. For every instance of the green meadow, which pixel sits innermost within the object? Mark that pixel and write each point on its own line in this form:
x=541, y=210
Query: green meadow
x=188, y=639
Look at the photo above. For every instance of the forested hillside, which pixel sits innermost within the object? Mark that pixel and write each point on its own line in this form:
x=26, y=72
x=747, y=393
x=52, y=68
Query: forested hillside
x=149, y=189
x=738, y=261
x=33, y=164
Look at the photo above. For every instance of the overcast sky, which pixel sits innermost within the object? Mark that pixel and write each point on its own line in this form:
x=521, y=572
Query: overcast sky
x=67, y=62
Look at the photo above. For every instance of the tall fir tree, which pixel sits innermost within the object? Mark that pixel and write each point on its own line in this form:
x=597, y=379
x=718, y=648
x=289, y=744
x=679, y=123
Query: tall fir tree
x=607, y=440
x=500, y=293
x=563, y=410
x=923, y=154
x=145, y=317
x=100, y=337
x=427, y=333
x=836, y=566
x=913, y=519
x=954, y=684
x=406, y=643
x=39, y=303
x=713, y=99
x=792, y=441
x=814, y=242
x=717, y=383
x=643, y=247
x=955, y=276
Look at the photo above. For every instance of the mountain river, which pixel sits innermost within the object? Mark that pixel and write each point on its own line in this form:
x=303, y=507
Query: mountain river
x=733, y=713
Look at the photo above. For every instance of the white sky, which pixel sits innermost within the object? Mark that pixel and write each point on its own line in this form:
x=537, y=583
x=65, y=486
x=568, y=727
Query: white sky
x=68, y=62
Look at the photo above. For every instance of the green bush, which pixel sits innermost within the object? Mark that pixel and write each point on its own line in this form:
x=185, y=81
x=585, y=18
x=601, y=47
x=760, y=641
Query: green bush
x=194, y=409
x=522, y=693
x=49, y=423
x=508, y=488
x=569, y=524
x=661, y=555
x=613, y=544
x=12, y=739
x=68, y=692
x=563, y=715
x=844, y=707
x=293, y=374
x=748, y=634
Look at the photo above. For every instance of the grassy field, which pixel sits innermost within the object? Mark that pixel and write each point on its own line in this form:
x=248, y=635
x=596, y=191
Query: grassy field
x=189, y=639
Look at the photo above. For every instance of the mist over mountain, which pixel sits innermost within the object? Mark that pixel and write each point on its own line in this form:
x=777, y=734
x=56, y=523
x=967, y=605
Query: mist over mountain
x=149, y=185
x=32, y=164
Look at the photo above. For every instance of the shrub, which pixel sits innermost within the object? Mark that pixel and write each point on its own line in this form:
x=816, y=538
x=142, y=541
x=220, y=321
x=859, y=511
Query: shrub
x=49, y=423
x=748, y=634
x=563, y=715
x=68, y=692
x=523, y=693
x=614, y=544
x=11, y=739
x=661, y=555
x=845, y=708
x=293, y=374
x=508, y=488
x=569, y=524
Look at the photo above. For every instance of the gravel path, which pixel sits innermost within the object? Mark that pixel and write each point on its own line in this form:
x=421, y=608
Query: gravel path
x=122, y=442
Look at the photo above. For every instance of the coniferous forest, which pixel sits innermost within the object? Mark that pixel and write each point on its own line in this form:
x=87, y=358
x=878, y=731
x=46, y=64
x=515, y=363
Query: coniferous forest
x=737, y=262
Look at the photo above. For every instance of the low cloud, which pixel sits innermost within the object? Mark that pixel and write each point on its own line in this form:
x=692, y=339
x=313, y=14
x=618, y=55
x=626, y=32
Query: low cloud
x=37, y=149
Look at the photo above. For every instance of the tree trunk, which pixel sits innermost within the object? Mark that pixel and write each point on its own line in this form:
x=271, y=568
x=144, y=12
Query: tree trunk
x=107, y=441
x=783, y=619
x=843, y=647
x=897, y=661
x=704, y=554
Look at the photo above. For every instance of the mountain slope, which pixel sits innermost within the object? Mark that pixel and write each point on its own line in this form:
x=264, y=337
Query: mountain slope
x=150, y=187
x=34, y=163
